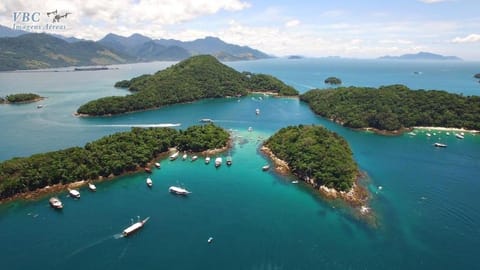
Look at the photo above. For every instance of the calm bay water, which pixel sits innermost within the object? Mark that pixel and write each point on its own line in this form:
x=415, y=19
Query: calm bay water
x=428, y=210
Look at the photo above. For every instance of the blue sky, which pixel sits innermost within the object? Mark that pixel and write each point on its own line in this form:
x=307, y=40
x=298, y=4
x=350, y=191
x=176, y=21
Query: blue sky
x=348, y=28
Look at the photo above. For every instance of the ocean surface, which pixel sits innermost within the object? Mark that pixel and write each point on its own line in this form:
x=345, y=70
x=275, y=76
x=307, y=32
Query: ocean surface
x=427, y=209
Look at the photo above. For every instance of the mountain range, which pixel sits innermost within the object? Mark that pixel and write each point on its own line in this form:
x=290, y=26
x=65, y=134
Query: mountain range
x=24, y=50
x=421, y=56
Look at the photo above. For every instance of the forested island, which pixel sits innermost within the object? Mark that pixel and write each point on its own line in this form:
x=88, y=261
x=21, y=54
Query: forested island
x=394, y=108
x=21, y=98
x=195, y=78
x=109, y=156
x=333, y=81
x=477, y=75
x=319, y=157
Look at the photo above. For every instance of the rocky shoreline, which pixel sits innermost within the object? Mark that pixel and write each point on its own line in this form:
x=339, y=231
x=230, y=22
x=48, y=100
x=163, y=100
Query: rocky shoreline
x=357, y=197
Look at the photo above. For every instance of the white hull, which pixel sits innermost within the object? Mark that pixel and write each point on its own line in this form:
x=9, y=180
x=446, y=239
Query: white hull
x=178, y=190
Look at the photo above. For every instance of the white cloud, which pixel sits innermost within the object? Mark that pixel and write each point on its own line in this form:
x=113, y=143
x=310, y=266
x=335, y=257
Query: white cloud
x=468, y=39
x=292, y=23
x=103, y=17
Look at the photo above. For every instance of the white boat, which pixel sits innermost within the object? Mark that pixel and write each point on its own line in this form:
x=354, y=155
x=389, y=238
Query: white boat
x=250, y=129
x=39, y=106
x=218, y=162
x=206, y=120
x=459, y=136
x=149, y=182
x=295, y=182
x=55, y=203
x=266, y=168
x=448, y=133
x=229, y=160
x=194, y=158
x=174, y=156
x=184, y=157
x=429, y=135
x=412, y=133
x=92, y=187
x=134, y=227
x=178, y=190
x=74, y=193
x=207, y=160
x=439, y=145
x=157, y=164
x=257, y=111
x=210, y=240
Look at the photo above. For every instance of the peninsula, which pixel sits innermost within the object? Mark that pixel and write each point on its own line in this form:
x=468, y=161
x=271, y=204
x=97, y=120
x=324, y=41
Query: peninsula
x=21, y=98
x=319, y=157
x=196, y=78
x=394, y=108
x=110, y=156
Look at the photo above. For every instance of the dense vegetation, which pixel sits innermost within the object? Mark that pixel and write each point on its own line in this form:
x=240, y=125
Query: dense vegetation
x=333, y=80
x=33, y=51
x=313, y=152
x=2, y=100
x=22, y=97
x=395, y=107
x=110, y=155
x=198, y=77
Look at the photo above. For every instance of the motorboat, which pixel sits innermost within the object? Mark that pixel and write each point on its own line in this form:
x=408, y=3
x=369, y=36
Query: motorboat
x=250, y=129
x=210, y=240
x=459, y=136
x=148, y=170
x=92, y=187
x=174, y=156
x=194, y=158
x=295, y=182
x=218, y=162
x=157, y=164
x=428, y=134
x=257, y=111
x=184, y=157
x=266, y=168
x=439, y=145
x=207, y=160
x=206, y=120
x=74, y=193
x=178, y=190
x=149, y=182
x=39, y=106
x=55, y=203
x=134, y=227
x=229, y=160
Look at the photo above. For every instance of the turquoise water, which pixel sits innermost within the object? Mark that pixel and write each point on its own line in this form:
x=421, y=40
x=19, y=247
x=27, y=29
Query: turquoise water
x=428, y=211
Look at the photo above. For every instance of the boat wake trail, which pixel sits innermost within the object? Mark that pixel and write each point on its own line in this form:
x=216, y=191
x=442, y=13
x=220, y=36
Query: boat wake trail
x=80, y=250
x=142, y=125
x=118, y=236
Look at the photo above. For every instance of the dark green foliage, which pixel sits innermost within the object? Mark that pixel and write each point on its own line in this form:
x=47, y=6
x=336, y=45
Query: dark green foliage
x=110, y=155
x=123, y=84
x=22, y=97
x=268, y=83
x=313, y=152
x=2, y=100
x=395, y=107
x=333, y=80
x=198, y=77
x=477, y=75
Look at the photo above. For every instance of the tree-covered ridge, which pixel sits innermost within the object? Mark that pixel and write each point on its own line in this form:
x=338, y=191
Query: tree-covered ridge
x=198, y=77
x=333, y=80
x=313, y=152
x=111, y=155
x=395, y=107
x=20, y=98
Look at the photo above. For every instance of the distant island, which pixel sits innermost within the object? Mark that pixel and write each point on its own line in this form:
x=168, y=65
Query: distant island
x=295, y=57
x=394, y=108
x=21, y=98
x=333, y=81
x=421, y=56
x=195, y=78
x=110, y=156
x=477, y=75
x=319, y=157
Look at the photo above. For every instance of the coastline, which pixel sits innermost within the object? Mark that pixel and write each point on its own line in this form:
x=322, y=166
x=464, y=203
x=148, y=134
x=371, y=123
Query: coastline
x=447, y=129
x=357, y=197
x=58, y=188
